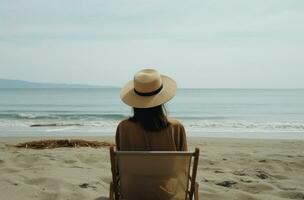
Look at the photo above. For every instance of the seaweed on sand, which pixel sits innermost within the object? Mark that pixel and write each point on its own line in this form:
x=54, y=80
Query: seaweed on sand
x=51, y=144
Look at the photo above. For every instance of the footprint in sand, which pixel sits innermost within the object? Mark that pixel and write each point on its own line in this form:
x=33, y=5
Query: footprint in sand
x=10, y=170
x=70, y=161
x=226, y=183
x=292, y=195
x=280, y=177
x=246, y=181
x=256, y=187
x=45, y=195
x=50, y=157
x=79, y=167
x=87, y=185
x=46, y=182
x=239, y=173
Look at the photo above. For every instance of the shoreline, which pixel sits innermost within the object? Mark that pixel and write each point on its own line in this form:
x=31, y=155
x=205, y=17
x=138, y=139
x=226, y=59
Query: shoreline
x=209, y=135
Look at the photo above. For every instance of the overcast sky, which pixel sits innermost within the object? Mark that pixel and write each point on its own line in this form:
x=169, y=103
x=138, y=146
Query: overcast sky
x=204, y=43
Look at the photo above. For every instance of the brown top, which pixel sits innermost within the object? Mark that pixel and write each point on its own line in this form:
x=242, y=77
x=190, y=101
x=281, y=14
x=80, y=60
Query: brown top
x=130, y=136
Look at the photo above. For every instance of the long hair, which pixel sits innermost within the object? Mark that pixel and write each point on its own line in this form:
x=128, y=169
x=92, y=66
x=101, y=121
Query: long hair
x=151, y=119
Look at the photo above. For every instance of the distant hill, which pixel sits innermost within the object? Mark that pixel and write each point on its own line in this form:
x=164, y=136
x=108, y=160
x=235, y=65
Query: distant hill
x=9, y=83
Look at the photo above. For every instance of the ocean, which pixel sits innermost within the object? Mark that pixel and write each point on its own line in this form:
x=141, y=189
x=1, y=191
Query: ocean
x=232, y=113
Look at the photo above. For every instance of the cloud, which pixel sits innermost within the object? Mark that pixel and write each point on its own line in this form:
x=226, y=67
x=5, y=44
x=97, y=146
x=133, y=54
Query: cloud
x=217, y=43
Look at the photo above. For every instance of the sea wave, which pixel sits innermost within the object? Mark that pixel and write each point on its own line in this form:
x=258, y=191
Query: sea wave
x=108, y=120
x=245, y=125
x=61, y=116
x=190, y=125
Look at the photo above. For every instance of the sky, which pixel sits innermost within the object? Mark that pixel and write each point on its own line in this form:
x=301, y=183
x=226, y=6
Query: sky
x=199, y=43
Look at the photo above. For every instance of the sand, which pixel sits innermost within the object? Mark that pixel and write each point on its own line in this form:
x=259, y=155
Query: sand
x=228, y=169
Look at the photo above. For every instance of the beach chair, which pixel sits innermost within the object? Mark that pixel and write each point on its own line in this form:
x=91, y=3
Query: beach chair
x=154, y=175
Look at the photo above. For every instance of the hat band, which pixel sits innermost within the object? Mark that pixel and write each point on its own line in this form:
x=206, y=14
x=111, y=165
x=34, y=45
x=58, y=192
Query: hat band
x=145, y=94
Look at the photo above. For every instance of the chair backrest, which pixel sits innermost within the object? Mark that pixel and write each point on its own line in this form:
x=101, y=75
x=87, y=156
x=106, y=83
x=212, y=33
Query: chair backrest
x=153, y=175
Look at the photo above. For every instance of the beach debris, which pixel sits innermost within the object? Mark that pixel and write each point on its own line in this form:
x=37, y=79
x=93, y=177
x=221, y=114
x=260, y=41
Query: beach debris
x=86, y=185
x=51, y=144
x=262, y=175
x=204, y=180
x=218, y=171
x=226, y=183
x=262, y=160
x=42, y=125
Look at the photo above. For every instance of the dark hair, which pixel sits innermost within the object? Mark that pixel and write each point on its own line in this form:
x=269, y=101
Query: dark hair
x=151, y=119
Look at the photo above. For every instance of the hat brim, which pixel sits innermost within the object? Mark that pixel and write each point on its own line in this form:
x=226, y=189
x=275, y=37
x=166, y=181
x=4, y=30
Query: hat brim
x=129, y=97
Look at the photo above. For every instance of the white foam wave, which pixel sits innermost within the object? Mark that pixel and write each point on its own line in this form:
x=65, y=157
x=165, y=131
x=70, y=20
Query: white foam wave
x=190, y=125
x=27, y=115
x=245, y=125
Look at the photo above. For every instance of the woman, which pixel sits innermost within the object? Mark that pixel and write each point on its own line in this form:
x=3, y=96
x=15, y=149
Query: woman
x=149, y=128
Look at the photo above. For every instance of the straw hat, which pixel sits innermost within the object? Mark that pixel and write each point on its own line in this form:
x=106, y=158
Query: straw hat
x=148, y=89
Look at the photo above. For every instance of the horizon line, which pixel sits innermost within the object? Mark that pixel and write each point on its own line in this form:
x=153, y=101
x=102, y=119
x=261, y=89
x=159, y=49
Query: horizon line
x=91, y=86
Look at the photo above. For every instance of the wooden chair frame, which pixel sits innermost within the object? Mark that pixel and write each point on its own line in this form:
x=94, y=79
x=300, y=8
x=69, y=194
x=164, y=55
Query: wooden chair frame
x=192, y=190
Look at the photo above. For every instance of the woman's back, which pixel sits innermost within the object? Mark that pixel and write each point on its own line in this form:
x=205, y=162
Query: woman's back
x=130, y=136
